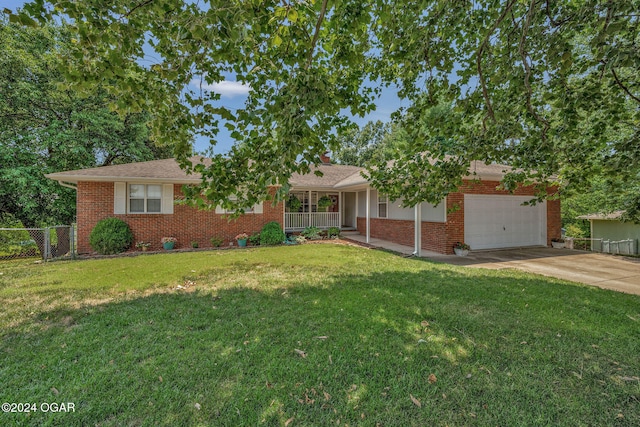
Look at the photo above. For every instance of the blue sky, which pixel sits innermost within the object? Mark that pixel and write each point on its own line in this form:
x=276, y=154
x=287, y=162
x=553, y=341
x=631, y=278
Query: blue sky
x=233, y=96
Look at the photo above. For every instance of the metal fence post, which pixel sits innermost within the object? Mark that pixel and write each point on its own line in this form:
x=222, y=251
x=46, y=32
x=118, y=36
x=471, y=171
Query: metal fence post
x=72, y=243
x=47, y=243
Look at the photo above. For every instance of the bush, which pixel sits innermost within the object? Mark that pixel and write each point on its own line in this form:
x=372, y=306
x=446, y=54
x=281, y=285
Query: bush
x=216, y=242
x=111, y=236
x=574, y=230
x=254, y=239
x=333, y=232
x=272, y=234
x=312, y=233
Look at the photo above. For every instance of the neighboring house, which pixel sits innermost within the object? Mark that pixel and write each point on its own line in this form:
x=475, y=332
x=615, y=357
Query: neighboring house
x=143, y=195
x=609, y=227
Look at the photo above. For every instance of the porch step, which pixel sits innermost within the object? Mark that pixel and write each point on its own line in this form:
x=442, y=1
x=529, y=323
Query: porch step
x=350, y=232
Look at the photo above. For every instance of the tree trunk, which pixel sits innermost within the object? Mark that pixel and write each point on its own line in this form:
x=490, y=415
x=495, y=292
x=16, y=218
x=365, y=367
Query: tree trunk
x=37, y=235
x=64, y=242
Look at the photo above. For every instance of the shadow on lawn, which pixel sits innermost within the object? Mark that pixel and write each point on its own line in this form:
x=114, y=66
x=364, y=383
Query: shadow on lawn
x=353, y=348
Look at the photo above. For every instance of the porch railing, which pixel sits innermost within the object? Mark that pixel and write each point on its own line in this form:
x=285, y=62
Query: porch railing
x=301, y=220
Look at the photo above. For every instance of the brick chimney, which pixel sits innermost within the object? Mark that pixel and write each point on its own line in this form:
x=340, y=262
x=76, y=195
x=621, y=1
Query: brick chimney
x=326, y=160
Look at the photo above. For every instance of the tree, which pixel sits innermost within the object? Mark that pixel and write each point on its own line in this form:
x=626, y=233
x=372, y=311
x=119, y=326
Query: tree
x=45, y=128
x=374, y=142
x=540, y=85
x=550, y=87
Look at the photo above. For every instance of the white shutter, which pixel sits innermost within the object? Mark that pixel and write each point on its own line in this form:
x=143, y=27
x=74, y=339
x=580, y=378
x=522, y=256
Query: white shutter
x=167, y=198
x=119, y=198
x=257, y=208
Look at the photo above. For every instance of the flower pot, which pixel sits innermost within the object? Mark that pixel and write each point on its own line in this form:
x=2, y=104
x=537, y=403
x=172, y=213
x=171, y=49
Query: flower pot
x=242, y=243
x=144, y=249
x=557, y=245
x=461, y=252
x=168, y=245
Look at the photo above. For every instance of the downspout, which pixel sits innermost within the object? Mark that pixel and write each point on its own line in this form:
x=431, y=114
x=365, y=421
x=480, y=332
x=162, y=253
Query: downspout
x=418, y=230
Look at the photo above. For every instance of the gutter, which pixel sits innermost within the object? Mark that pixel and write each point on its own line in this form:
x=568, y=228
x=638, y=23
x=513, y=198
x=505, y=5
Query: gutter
x=69, y=185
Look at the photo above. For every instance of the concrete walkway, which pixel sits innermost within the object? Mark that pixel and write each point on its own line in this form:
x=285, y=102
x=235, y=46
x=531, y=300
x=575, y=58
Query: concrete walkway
x=605, y=271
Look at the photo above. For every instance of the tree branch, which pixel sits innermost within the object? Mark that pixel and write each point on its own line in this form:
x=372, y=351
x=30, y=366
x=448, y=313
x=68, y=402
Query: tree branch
x=138, y=6
x=316, y=34
x=553, y=21
x=527, y=70
x=628, y=92
x=479, y=53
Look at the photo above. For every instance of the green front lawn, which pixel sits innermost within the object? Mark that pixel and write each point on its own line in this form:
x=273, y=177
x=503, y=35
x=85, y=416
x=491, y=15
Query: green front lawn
x=312, y=335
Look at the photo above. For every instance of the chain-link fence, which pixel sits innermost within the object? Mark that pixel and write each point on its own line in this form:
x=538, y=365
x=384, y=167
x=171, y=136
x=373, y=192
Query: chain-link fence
x=45, y=243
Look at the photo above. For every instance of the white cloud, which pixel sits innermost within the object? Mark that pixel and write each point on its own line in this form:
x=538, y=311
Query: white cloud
x=226, y=88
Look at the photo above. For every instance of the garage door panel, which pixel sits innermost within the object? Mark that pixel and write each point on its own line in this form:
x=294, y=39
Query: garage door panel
x=492, y=221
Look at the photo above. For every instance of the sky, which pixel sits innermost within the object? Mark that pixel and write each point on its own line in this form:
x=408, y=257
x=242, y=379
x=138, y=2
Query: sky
x=233, y=95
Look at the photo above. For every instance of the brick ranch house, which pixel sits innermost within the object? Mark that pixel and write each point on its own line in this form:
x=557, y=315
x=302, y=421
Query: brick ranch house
x=143, y=195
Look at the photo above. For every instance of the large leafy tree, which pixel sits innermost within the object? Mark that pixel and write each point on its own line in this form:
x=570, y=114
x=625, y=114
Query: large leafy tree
x=548, y=86
x=372, y=143
x=45, y=127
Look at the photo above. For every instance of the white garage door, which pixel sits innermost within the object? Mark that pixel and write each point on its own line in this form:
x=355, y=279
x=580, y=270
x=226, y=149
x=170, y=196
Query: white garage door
x=503, y=222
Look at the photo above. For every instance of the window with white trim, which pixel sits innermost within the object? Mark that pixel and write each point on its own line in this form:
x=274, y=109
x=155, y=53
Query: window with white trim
x=255, y=209
x=383, y=202
x=145, y=198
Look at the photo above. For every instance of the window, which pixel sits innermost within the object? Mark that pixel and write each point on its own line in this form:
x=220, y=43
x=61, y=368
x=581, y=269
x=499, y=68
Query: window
x=255, y=209
x=382, y=205
x=145, y=198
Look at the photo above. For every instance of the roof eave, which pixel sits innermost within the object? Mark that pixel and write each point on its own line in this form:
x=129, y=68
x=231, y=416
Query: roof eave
x=83, y=178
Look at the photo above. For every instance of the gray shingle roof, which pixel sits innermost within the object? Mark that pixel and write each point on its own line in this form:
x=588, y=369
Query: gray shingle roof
x=333, y=176
x=169, y=170
x=161, y=170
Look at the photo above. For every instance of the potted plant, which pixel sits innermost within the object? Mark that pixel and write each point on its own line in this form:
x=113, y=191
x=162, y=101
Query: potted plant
x=242, y=239
x=557, y=243
x=461, y=249
x=143, y=246
x=168, y=242
x=323, y=203
x=293, y=203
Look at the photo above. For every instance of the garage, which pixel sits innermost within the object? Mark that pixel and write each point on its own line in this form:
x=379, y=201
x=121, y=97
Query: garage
x=497, y=221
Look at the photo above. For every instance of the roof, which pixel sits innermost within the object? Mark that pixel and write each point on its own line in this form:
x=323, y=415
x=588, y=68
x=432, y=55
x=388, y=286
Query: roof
x=612, y=216
x=154, y=170
x=333, y=176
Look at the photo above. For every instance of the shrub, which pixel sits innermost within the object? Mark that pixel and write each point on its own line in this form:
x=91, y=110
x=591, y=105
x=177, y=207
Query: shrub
x=574, y=230
x=194, y=244
x=333, y=232
x=254, y=239
x=312, y=233
x=111, y=236
x=272, y=234
x=216, y=242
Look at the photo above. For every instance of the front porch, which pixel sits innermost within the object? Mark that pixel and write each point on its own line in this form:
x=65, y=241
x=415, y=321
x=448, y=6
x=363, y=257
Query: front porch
x=322, y=209
x=296, y=221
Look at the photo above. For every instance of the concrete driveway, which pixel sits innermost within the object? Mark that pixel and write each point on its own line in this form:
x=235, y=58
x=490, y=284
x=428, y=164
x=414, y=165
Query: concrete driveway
x=605, y=271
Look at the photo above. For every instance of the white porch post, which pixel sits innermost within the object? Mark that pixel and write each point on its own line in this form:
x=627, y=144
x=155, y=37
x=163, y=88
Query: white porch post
x=418, y=230
x=355, y=213
x=368, y=208
x=340, y=209
x=309, y=213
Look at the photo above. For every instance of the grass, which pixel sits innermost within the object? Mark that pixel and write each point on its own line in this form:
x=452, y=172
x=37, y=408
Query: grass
x=312, y=335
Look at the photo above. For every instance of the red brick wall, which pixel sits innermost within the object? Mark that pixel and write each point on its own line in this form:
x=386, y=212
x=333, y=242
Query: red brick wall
x=554, y=221
x=440, y=237
x=187, y=224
